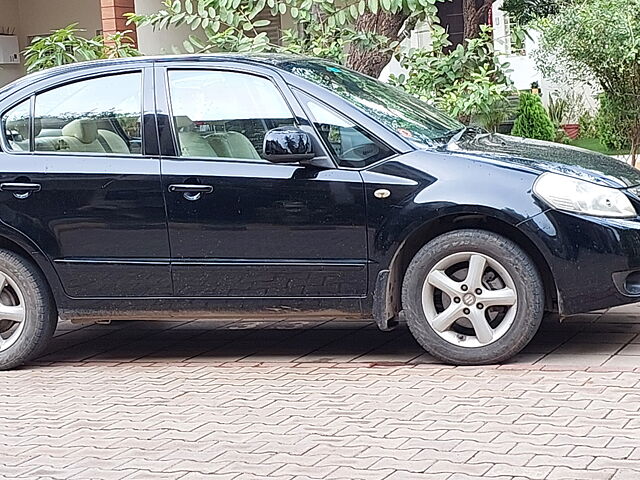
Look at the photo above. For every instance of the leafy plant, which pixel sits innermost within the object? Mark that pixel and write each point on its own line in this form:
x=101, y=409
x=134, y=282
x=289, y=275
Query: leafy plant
x=557, y=110
x=66, y=45
x=532, y=120
x=525, y=12
x=612, y=127
x=118, y=45
x=599, y=40
x=468, y=82
x=565, y=108
x=587, y=124
x=325, y=28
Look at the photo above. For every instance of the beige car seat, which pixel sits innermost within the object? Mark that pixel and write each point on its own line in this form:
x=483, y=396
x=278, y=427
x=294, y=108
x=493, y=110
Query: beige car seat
x=233, y=145
x=191, y=142
x=112, y=142
x=81, y=136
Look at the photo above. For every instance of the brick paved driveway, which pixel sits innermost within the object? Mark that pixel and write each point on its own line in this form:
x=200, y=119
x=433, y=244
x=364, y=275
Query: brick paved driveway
x=282, y=400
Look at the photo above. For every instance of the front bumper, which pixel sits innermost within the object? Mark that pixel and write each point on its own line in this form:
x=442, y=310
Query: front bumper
x=593, y=260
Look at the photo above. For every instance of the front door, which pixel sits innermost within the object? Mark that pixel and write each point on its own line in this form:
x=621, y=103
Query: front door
x=240, y=226
x=80, y=185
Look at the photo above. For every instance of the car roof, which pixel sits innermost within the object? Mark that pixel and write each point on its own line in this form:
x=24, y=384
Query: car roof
x=265, y=59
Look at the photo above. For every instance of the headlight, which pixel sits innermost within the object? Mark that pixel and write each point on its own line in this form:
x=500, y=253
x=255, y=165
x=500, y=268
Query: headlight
x=573, y=195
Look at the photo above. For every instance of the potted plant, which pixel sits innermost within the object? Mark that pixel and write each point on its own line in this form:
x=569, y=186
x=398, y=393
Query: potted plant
x=564, y=111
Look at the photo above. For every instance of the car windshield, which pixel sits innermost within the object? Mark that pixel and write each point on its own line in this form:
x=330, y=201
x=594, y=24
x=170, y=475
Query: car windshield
x=396, y=109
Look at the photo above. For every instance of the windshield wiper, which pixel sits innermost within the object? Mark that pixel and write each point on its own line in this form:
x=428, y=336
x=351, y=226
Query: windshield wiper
x=454, y=136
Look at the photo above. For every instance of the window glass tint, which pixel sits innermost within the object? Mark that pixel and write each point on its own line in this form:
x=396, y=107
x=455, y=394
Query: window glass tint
x=100, y=115
x=225, y=114
x=15, y=127
x=350, y=144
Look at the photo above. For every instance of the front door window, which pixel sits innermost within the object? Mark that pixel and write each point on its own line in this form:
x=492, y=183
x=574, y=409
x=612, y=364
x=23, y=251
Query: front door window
x=219, y=114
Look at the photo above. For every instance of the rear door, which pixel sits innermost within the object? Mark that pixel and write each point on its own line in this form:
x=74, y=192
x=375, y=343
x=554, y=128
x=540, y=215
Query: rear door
x=81, y=183
x=240, y=226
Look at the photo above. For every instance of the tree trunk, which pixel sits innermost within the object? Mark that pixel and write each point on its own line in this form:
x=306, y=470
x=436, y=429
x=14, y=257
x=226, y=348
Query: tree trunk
x=372, y=61
x=474, y=16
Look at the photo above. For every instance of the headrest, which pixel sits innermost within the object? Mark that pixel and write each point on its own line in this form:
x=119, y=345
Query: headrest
x=184, y=123
x=84, y=129
x=21, y=125
x=37, y=127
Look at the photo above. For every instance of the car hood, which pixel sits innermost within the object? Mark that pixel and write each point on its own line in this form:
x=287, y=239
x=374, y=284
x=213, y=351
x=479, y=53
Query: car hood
x=548, y=157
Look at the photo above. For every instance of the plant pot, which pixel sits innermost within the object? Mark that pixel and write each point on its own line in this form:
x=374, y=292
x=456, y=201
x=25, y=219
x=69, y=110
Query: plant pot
x=572, y=130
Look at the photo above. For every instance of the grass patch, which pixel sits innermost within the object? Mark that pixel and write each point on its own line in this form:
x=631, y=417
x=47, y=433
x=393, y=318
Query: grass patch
x=595, y=145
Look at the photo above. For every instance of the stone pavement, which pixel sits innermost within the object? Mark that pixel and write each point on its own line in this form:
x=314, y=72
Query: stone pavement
x=337, y=400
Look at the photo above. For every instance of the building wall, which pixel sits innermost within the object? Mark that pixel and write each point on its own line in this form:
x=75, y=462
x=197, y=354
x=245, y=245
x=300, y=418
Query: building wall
x=9, y=19
x=157, y=42
x=38, y=17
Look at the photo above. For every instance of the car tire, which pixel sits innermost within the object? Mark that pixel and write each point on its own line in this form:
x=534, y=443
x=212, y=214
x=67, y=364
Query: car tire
x=497, y=270
x=28, y=316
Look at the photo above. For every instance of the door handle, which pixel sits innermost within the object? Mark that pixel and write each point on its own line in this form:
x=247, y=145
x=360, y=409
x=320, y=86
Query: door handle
x=20, y=190
x=191, y=192
x=184, y=187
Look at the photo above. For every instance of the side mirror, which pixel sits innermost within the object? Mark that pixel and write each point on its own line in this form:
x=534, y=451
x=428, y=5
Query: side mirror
x=287, y=145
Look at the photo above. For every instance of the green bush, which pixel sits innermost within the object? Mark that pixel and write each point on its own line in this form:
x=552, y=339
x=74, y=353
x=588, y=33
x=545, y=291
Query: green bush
x=66, y=45
x=469, y=82
x=612, y=127
x=587, y=124
x=532, y=120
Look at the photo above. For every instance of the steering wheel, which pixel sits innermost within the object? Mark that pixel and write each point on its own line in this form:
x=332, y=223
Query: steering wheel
x=361, y=152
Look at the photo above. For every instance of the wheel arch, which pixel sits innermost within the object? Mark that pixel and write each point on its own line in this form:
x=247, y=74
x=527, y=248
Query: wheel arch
x=387, y=302
x=36, y=258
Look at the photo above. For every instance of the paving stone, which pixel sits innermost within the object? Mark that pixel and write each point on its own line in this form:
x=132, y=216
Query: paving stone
x=125, y=401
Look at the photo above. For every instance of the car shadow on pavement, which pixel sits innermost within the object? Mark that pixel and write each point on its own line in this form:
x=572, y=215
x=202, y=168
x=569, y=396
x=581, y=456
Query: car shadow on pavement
x=604, y=338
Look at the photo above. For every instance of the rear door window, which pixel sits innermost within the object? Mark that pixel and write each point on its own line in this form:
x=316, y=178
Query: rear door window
x=99, y=115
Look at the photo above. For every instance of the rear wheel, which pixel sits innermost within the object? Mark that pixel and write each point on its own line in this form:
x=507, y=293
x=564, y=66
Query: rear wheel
x=472, y=297
x=27, y=314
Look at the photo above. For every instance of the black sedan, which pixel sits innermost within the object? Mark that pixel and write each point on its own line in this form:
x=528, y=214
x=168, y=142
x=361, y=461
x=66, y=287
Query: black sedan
x=239, y=186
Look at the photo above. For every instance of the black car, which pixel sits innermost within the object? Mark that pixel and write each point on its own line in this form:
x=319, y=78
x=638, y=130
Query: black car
x=226, y=186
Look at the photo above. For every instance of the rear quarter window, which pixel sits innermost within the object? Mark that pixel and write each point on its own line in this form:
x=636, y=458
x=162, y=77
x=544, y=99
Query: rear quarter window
x=16, y=127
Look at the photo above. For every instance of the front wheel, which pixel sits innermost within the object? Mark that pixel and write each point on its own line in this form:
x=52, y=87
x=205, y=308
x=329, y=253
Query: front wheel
x=472, y=297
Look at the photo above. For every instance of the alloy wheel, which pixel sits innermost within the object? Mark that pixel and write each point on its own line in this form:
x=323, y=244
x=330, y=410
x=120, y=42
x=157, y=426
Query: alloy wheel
x=12, y=311
x=469, y=299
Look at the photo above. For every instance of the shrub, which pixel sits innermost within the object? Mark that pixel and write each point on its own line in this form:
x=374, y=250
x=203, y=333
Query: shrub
x=532, y=120
x=587, y=124
x=598, y=41
x=469, y=81
x=66, y=45
x=612, y=127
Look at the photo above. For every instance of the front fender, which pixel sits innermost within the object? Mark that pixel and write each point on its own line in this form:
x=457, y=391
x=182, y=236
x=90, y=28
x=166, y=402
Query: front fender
x=434, y=188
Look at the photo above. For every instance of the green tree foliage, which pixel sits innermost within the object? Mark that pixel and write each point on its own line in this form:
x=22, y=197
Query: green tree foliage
x=469, y=82
x=599, y=41
x=67, y=46
x=532, y=120
x=325, y=28
x=611, y=127
x=524, y=12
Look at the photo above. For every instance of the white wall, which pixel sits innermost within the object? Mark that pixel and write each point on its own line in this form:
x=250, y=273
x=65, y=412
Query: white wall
x=9, y=18
x=39, y=17
x=158, y=42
